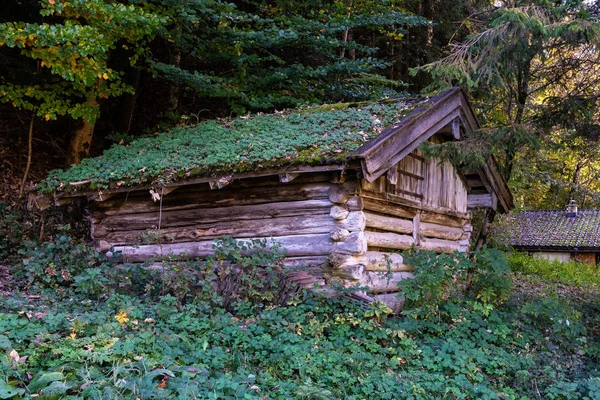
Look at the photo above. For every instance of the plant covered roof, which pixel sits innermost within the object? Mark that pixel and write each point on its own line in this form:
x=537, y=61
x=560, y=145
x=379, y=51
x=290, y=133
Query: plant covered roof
x=312, y=136
x=555, y=230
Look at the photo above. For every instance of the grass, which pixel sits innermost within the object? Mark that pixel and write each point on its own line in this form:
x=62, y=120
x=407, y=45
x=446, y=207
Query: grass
x=570, y=273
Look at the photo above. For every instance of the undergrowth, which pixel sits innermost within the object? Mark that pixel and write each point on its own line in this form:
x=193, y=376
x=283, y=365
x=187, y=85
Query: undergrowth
x=224, y=329
x=572, y=273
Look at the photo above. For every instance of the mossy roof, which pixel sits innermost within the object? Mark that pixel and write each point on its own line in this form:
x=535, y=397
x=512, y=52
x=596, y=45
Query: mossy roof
x=555, y=230
x=312, y=136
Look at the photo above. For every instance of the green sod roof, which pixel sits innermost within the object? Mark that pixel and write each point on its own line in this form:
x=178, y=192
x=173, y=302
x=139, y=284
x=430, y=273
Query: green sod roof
x=313, y=136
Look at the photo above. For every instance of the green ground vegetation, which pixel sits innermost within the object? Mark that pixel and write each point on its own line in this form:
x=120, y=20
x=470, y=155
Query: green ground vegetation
x=79, y=327
x=572, y=273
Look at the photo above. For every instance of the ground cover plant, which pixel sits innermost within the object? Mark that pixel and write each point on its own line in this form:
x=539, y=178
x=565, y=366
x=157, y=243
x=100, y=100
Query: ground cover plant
x=574, y=272
x=78, y=327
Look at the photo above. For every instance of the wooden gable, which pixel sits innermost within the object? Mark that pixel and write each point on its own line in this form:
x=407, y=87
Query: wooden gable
x=393, y=159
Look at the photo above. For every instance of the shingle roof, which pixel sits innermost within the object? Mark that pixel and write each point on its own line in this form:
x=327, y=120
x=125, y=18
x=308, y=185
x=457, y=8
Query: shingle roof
x=555, y=230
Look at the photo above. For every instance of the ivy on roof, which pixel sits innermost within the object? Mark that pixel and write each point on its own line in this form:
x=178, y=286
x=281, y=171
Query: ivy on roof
x=321, y=135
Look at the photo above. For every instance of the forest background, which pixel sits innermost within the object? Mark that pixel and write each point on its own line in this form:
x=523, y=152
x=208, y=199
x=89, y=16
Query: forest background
x=79, y=76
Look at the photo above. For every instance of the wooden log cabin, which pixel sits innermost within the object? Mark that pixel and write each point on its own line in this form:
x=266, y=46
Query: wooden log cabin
x=343, y=189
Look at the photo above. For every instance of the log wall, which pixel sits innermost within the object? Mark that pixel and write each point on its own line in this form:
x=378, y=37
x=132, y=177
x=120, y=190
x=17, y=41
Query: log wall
x=417, y=202
x=298, y=215
x=345, y=230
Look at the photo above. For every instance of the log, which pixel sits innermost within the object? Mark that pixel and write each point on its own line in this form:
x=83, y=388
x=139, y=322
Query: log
x=355, y=204
x=285, y=226
x=310, y=263
x=296, y=246
x=355, y=221
x=480, y=200
x=339, y=213
x=339, y=195
x=440, y=231
x=373, y=261
x=443, y=219
x=384, y=283
x=349, y=272
x=388, y=223
x=209, y=215
x=355, y=243
x=395, y=301
x=440, y=245
x=389, y=240
x=339, y=234
x=384, y=207
x=199, y=198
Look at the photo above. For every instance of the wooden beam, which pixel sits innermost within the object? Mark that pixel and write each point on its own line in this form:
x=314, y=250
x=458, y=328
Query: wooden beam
x=221, y=182
x=456, y=128
x=288, y=177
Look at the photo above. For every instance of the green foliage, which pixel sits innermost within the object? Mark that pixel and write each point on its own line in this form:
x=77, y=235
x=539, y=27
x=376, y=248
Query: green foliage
x=444, y=278
x=280, y=54
x=521, y=63
x=144, y=344
x=238, y=145
x=72, y=55
x=18, y=226
x=572, y=273
x=61, y=263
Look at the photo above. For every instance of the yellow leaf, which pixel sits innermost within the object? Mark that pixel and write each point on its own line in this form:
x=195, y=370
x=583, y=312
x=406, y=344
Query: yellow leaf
x=73, y=335
x=47, y=116
x=99, y=74
x=122, y=317
x=105, y=75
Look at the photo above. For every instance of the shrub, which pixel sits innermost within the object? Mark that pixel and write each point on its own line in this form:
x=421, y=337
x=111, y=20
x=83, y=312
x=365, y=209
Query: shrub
x=63, y=263
x=440, y=278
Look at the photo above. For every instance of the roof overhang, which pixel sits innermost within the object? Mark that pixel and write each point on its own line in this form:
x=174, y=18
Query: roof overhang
x=450, y=112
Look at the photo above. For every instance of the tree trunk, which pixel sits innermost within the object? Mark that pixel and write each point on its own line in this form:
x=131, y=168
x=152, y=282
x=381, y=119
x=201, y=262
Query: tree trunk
x=29, y=154
x=490, y=214
x=82, y=140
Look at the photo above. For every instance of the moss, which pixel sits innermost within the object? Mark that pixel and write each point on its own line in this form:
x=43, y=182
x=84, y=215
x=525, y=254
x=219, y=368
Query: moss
x=326, y=134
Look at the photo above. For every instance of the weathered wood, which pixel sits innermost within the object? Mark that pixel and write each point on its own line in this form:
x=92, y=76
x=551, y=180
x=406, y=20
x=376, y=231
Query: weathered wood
x=395, y=301
x=417, y=229
x=383, y=282
x=444, y=219
x=339, y=234
x=395, y=138
x=440, y=245
x=355, y=221
x=288, y=177
x=372, y=260
x=187, y=200
x=339, y=213
x=284, y=226
x=388, y=223
x=206, y=215
x=338, y=194
x=355, y=204
x=388, y=240
x=221, y=182
x=486, y=200
x=296, y=246
x=351, y=272
x=355, y=243
x=440, y=231
x=250, y=176
x=313, y=263
x=383, y=207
